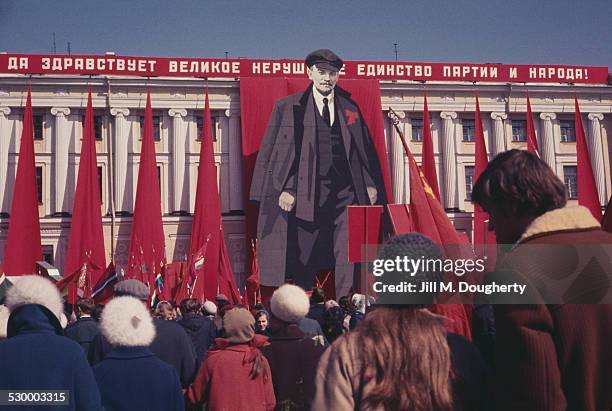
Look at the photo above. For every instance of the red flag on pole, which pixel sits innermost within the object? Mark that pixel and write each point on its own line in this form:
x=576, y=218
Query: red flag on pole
x=429, y=164
x=532, y=142
x=147, y=245
x=227, y=281
x=207, y=217
x=587, y=190
x=86, y=241
x=252, y=281
x=481, y=233
x=23, y=246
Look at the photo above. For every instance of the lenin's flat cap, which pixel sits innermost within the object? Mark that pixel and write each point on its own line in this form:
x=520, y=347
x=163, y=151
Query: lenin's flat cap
x=324, y=59
x=133, y=288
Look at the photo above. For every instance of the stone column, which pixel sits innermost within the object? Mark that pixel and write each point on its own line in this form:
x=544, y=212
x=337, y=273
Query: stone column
x=449, y=159
x=120, y=148
x=548, y=141
x=62, y=144
x=178, y=156
x=235, y=160
x=4, y=149
x=398, y=163
x=498, y=129
x=596, y=152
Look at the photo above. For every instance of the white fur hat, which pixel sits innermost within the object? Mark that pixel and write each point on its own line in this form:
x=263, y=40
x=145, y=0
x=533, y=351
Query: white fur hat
x=4, y=316
x=34, y=289
x=126, y=322
x=289, y=303
x=210, y=307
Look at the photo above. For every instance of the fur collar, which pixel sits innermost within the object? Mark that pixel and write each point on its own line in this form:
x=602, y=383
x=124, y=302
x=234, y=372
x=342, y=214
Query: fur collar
x=561, y=219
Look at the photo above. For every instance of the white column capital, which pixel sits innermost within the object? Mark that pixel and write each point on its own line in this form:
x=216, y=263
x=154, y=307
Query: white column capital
x=5, y=111
x=448, y=115
x=60, y=111
x=231, y=113
x=595, y=116
x=120, y=112
x=499, y=115
x=177, y=112
x=548, y=116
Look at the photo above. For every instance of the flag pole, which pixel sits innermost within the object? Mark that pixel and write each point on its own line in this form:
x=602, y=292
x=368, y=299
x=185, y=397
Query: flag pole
x=111, y=175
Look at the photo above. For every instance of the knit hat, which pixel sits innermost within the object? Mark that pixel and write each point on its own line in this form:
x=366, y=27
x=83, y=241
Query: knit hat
x=132, y=288
x=34, y=289
x=239, y=326
x=289, y=303
x=210, y=307
x=126, y=322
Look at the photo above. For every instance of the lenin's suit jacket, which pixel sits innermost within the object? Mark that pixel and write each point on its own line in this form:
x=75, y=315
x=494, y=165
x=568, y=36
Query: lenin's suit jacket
x=288, y=160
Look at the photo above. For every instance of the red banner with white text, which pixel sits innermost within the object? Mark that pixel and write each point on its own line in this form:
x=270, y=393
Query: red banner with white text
x=236, y=68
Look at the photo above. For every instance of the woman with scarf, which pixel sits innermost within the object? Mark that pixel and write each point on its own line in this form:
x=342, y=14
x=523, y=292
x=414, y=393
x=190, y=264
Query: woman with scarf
x=235, y=361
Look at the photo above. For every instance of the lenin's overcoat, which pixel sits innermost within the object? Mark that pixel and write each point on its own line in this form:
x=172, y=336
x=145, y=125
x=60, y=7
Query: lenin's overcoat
x=288, y=160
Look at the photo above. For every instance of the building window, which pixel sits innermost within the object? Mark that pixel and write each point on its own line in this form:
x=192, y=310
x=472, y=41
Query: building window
x=39, y=184
x=97, y=126
x=213, y=124
x=469, y=181
x=519, y=130
x=47, y=253
x=417, y=129
x=38, y=120
x=570, y=179
x=156, y=127
x=469, y=130
x=568, y=131
x=100, y=175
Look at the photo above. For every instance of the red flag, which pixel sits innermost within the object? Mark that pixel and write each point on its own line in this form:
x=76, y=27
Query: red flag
x=80, y=278
x=147, y=243
x=227, y=281
x=104, y=289
x=429, y=164
x=587, y=190
x=532, y=142
x=252, y=281
x=481, y=233
x=23, y=246
x=86, y=241
x=207, y=217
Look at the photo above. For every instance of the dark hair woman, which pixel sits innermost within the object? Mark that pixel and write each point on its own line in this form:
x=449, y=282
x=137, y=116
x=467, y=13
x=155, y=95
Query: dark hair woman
x=400, y=357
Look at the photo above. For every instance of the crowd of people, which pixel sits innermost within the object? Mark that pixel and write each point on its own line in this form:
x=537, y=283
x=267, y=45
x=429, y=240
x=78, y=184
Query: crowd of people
x=305, y=351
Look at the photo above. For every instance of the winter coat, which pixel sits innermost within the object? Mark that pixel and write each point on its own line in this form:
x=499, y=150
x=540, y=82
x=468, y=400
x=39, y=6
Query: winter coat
x=555, y=357
x=339, y=385
x=83, y=332
x=37, y=357
x=223, y=381
x=132, y=378
x=316, y=312
x=333, y=325
x=202, y=332
x=293, y=360
x=171, y=345
x=312, y=329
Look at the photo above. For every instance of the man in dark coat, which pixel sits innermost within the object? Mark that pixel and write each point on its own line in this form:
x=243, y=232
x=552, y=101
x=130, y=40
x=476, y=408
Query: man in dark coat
x=293, y=357
x=316, y=158
x=549, y=356
x=130, y=377
x=85, y=329
x=36, y=355
x=171, y=343
x=200, y=329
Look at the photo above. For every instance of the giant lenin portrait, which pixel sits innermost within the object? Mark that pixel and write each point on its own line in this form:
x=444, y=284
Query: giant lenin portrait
x=316, y=157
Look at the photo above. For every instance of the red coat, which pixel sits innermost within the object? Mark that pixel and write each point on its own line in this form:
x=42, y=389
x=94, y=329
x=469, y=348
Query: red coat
x=555, y=357
x=223, y=380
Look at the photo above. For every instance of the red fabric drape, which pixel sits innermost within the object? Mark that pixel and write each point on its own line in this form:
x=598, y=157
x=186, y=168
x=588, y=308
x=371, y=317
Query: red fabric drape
x=147, y=250
x=428, y=161
x=23, y=246
x=86, y=241
x=587, y=190
x=257, y=99
x=532, y=142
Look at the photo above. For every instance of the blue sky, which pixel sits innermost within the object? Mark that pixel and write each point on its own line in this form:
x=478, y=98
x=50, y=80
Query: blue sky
x=479, y=31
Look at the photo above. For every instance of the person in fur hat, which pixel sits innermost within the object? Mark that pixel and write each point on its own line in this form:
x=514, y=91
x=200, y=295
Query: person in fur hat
x=36, y=355
x=235, y=374
x=131, y=377
x=293, y=357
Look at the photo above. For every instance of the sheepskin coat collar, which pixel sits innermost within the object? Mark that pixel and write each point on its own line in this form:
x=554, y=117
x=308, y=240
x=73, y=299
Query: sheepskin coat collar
x=569, y=218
